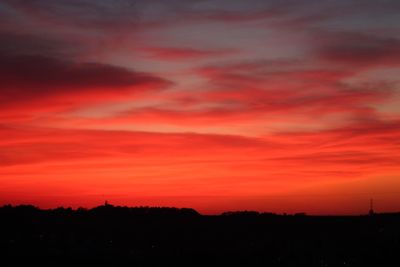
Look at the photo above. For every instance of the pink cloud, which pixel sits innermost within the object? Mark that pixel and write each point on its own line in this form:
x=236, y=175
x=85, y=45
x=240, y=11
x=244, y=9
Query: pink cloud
x=183, y=54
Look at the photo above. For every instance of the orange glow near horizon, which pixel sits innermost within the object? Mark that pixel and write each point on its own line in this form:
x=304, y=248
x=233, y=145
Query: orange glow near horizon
x=217, y=107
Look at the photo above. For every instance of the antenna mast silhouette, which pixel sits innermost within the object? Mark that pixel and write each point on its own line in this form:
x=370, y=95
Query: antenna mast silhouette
x=371, y=207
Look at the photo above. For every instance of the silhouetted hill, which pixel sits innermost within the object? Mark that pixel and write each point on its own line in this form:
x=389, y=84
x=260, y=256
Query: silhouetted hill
x=146, y=236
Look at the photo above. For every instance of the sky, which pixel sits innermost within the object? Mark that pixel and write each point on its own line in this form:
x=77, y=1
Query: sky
x=278, y=106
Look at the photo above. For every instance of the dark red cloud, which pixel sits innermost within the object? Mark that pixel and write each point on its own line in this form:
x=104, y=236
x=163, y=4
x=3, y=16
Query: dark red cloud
x=33, y=67
x=35, y=82
x=358, y=49
x=42, y=74
x=48, y=75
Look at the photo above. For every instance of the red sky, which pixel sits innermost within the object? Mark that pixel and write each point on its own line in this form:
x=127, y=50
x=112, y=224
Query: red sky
x=282, y=106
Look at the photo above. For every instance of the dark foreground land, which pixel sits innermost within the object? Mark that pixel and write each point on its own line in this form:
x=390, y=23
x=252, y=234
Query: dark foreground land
x=119, y=236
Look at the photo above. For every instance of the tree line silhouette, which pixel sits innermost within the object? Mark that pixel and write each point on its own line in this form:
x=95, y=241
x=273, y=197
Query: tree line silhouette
x=156, y=236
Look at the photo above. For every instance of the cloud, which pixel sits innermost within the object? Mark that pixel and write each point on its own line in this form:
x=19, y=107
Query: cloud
x=77, y=13
x=44, y=75
x=298, y=157
x=286, y=86
x=35, y=74
x=26, y=145
x=124, y=15
x=30, y=44
x=184, y=54
x=358, y=49
x=200, y=117
x=259, y=93
x=371, y=133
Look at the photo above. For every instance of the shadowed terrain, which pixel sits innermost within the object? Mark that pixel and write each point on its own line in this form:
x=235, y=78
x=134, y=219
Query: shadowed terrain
x=144, y=236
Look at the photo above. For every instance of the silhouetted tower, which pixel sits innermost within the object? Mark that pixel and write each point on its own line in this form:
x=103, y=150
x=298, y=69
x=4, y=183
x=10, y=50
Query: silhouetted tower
x=106, y=203
x=371, y=207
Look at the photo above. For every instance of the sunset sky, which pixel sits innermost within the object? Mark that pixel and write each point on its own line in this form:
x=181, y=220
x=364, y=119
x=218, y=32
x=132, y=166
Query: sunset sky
x=281, y=106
